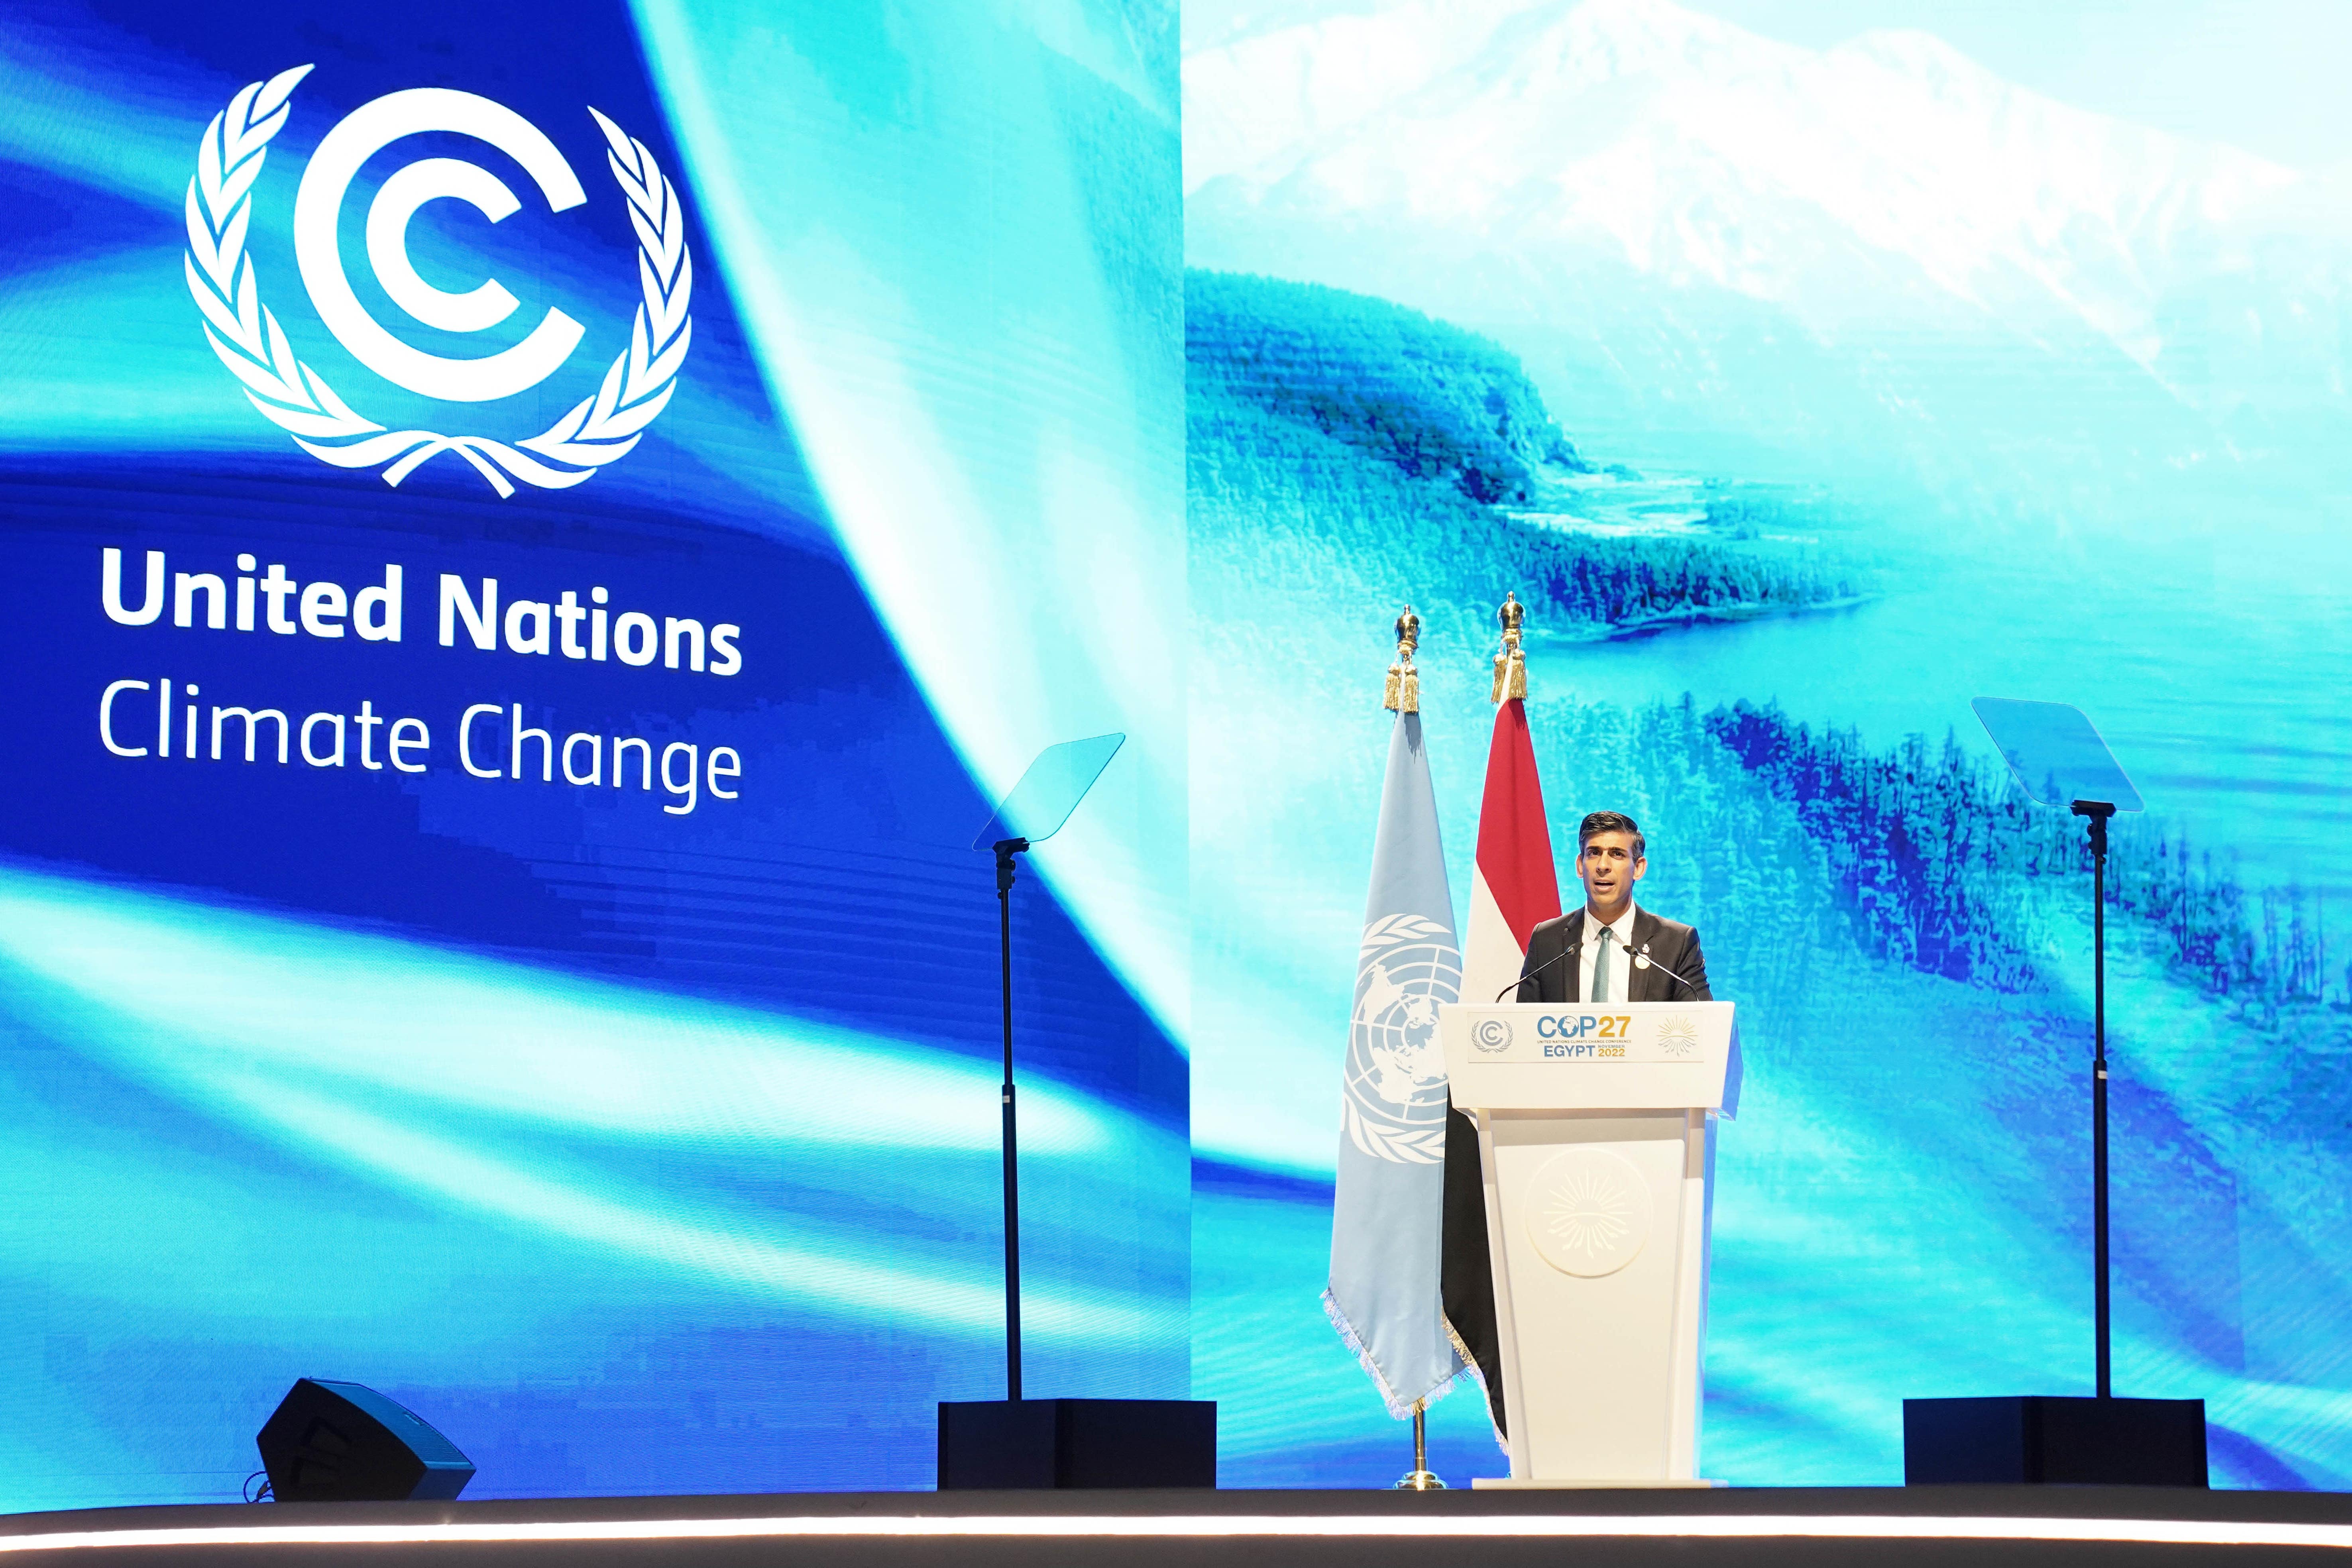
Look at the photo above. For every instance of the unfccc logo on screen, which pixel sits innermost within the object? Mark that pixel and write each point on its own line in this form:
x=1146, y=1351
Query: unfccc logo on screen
x=290, y=393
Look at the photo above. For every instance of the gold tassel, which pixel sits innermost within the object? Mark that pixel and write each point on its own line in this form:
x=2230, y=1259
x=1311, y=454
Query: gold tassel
x=1510, y=663
x=1403, y=695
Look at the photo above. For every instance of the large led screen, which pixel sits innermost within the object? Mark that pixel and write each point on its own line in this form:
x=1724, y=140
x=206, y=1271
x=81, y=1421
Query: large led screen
x=1808, y=370
x=535, y=534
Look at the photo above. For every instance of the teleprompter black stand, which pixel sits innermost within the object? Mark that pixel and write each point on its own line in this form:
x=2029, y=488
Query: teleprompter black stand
x=1015, y=1442
x=2058, y=757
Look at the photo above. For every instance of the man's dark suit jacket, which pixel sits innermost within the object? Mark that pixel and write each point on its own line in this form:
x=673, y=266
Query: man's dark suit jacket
x=1670, y=945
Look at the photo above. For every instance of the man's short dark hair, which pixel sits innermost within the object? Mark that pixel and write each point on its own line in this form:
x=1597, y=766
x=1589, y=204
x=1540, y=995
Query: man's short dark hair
x=1610, y=822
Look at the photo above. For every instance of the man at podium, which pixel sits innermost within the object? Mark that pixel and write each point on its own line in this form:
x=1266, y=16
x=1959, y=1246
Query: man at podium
x=1611, y=951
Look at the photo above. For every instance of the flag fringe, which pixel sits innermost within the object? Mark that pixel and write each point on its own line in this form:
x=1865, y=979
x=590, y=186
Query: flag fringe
x=1470, y=1365
x=1400, y=1408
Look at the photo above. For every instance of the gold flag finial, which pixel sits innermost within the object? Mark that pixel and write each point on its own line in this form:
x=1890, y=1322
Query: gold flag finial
x=1510, y=663
x=1404, y=680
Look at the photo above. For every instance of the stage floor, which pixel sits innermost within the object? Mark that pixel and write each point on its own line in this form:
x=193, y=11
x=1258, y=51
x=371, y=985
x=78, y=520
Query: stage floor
x=1930, y=1527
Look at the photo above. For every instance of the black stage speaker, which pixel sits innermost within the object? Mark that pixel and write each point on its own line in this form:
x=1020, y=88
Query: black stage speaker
x=338, y=1442
x=1049, y=1443
x=2035, y=1438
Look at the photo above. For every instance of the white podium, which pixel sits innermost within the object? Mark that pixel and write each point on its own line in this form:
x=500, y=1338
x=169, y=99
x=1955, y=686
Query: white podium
x=1595, y=1134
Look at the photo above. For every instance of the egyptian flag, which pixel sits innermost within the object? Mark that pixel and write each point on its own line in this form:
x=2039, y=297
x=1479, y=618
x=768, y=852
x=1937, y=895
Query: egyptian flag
x=1514, y=890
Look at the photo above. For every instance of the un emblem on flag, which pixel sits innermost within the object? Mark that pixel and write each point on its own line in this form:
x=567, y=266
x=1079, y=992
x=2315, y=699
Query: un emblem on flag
x=1395, y=1102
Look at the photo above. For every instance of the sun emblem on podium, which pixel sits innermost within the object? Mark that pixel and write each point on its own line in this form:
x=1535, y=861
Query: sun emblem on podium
x=1677, y=1036
x=1588, y=1211
x=1590, y=1214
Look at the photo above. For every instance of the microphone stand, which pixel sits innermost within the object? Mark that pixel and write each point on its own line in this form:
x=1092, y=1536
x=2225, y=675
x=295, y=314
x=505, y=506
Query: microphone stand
x=1647, y=963
x=1644, y=961
x=1538, y=969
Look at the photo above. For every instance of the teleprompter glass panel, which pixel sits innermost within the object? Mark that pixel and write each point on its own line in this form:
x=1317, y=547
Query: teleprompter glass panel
x=1050, y=790
x=2056, y=754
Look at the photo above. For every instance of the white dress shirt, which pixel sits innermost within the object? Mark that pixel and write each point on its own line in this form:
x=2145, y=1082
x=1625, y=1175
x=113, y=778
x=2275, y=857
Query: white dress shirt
x=1620, y=957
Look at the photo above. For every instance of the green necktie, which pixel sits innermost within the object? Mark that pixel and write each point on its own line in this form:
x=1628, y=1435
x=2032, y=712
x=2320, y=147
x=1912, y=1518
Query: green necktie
x=1601, y=967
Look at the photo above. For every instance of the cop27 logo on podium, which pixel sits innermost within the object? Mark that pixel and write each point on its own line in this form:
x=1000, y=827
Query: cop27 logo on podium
x=290, y=393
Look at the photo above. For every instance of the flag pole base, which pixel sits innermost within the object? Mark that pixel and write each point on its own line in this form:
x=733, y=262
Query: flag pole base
x=1421, y=1478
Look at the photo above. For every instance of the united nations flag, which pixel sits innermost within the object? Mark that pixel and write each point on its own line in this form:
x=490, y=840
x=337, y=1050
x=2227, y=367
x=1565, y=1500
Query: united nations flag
x=1387, y=1207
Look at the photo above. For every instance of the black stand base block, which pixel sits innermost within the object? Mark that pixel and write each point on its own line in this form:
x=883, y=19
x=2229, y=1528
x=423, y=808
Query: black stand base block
x=2035, y=1438
x=1048, y=1443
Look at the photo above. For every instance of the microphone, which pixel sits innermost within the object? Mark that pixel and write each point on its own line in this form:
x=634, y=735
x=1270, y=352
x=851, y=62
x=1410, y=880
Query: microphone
x=1644, y=961
x=1641, y=960
x=1538, y=969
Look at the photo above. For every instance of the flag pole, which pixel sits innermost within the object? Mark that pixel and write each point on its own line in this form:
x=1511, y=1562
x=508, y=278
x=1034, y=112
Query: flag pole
x=1403, y=696
x=1387, y=1194
x=1421, y=1479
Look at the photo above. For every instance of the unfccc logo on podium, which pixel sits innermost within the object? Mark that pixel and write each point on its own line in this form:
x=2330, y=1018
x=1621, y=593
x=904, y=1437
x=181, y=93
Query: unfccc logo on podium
x=292, y=395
